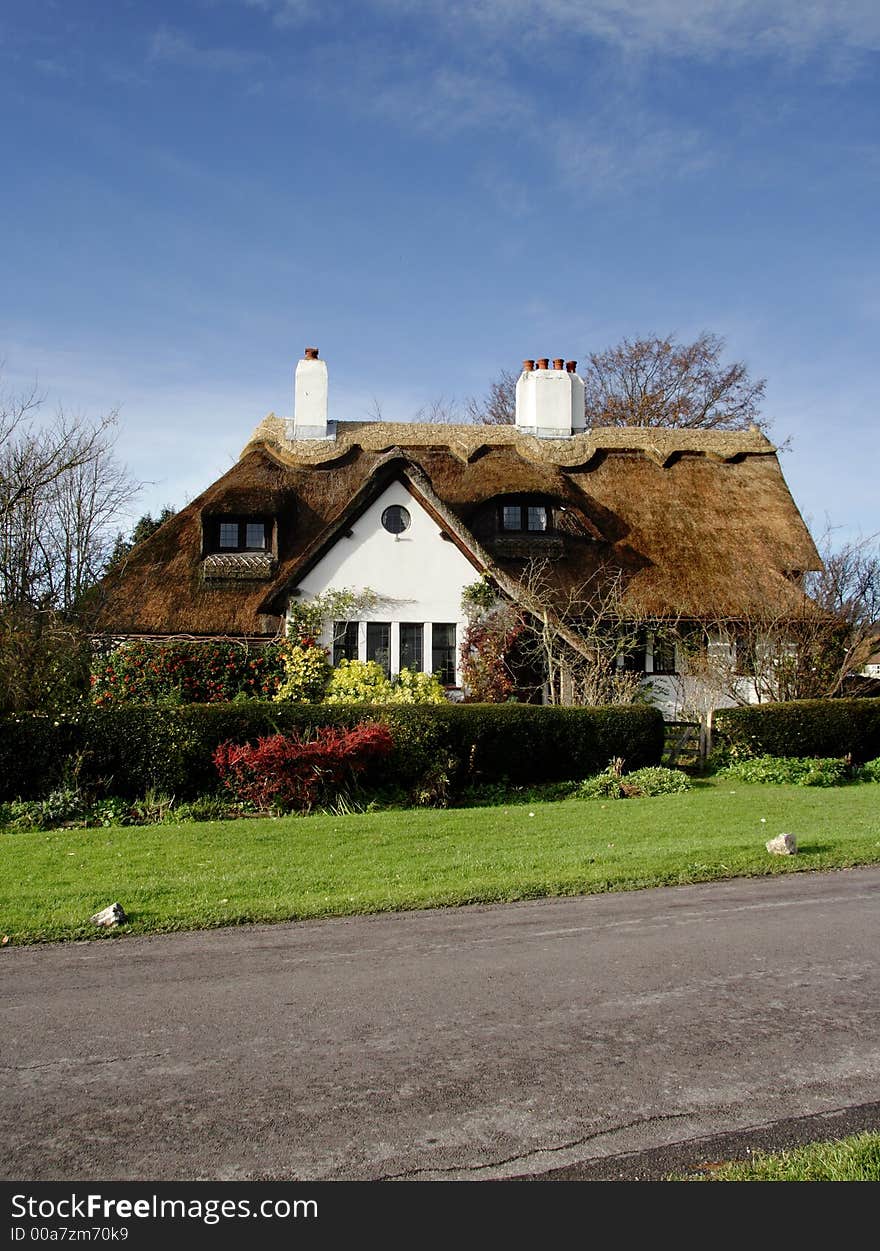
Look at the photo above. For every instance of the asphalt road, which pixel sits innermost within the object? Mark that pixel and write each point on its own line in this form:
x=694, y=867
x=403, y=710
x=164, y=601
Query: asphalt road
x=593, y=1037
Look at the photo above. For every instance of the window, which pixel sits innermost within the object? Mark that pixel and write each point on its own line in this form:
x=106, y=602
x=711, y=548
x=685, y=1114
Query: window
x=395, y=519
x=237, y=534
x=519, y=516
x=379, y=644
x=635, y=657
x=443, y=651
x=664, y=654
x=345, y=641
x=412, y=642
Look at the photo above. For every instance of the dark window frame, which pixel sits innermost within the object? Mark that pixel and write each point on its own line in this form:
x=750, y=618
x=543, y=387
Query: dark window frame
x=523, y=503
x=396, y=512
x=375, y=649
x=443, y=654
x=242, y=521
x=345, y=640
x=418, y=632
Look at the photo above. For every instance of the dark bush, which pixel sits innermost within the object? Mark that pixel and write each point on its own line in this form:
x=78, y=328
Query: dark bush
x=807, y=727
x=129, y=750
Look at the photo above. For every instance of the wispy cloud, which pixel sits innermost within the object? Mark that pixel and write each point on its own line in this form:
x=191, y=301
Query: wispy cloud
x=172, y=47
x=450, y=100
x=706, y=29
x=639, y=148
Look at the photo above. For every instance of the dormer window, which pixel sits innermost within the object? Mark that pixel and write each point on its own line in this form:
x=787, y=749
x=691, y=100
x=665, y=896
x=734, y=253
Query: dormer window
x=525, y=517
x=238, y=534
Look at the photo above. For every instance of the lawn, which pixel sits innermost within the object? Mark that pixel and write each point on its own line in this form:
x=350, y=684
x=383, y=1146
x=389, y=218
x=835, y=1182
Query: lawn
x=198, y=876
x=846, y=1159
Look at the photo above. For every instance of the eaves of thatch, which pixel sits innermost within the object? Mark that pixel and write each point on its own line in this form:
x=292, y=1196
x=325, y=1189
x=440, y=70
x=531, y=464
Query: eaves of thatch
x=699, y=524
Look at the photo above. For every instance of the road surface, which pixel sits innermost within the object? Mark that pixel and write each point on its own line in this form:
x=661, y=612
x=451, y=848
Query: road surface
x=560, y=1038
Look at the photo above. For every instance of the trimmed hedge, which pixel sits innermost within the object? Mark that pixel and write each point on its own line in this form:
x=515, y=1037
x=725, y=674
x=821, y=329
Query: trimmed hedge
x=126, y=751
x=804, y=727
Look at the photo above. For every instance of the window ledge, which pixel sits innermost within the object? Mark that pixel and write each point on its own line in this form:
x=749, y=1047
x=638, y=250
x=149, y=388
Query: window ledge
x=238, y=566
x=527, y=544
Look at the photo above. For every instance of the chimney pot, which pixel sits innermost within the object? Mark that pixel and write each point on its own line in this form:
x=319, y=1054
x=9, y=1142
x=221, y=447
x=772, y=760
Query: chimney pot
x=558, y=363
x=311, y=354
x=544, y=362
x=571, y=366
x=528, y=366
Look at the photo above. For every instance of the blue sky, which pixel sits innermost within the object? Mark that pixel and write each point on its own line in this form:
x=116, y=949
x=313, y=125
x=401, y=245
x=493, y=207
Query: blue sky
x=430, y=191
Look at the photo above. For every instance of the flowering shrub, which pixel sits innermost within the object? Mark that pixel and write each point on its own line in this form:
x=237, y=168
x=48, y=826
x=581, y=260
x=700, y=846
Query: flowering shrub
x=306, y=673
x=185, y=672
x=412, y=687
x=291, y=773
x=365, y=682
x=358, y=682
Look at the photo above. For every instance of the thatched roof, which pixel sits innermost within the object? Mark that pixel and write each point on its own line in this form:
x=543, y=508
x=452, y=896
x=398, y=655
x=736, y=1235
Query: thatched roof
x=700, y=523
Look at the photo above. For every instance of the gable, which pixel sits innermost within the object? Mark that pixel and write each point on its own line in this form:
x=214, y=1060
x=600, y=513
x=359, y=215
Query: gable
x=418, y=573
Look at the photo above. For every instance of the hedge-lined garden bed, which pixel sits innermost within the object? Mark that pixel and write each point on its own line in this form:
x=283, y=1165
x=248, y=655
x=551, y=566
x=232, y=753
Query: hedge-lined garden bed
x=128, y=751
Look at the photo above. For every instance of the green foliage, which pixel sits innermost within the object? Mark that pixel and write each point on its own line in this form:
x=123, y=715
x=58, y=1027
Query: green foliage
x=808, y=727
x=307, y=617
x=646, y=782
x=306, y=674
x=184, y=672
x=605, y=785
x=44, y=660
x=411, y=687
x=870, y=771
x=791, y=770
x=480, y=596
x=126, y=750
x=655, y=780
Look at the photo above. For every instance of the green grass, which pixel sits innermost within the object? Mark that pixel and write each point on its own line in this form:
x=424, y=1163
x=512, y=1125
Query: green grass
x=197, y=876
x=848, y=1159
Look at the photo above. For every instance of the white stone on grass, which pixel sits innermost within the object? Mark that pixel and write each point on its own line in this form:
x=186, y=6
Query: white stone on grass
x=109, y=917
x=782, y=845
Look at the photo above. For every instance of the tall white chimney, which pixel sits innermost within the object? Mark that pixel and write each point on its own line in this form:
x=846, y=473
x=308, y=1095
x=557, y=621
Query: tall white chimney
x=550, y=401
x=310, y=390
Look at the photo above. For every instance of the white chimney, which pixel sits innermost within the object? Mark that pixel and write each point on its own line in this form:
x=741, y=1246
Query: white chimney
x=550, y=401
x=310, y=390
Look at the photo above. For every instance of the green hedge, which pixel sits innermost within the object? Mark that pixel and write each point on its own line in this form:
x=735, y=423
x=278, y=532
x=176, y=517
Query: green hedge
x=125, y=751
x=805, y=727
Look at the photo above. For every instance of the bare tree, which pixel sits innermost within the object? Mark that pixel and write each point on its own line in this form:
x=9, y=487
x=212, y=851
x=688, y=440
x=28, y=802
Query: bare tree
x=61, y=492
x=498, y=406
x=650, y=382
x=440, y=411
x=660, y=382
x=811, y=642
x=575, y=642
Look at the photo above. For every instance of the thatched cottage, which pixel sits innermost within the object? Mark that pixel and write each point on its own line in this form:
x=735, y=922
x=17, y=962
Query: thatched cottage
x=698, y=525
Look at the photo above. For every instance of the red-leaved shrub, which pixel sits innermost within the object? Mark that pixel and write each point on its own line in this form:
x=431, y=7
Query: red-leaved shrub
x=289, y=773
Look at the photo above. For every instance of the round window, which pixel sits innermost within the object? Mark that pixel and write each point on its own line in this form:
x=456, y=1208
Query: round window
x=395, y=519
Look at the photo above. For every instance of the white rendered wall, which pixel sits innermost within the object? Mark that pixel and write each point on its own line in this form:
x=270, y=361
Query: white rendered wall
x=418, y=575
x=310, y=400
